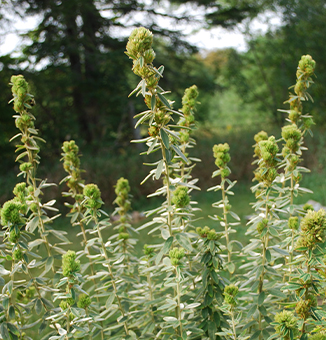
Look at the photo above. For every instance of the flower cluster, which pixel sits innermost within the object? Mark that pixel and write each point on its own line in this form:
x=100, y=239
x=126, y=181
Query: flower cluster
x=303, y=307
x=83, y=301
x=304, y=73
x=230, y=293
x=180, y=197
x=222, y=157
x=262, y=225
x=148, y=251
x=208, y=233
x=71, y=164
x=286, y=324
x=176, y=254
x=266, y=172
x=313, y=227
x=260, y=136
x=122, y=190
x=20, y=93
x=139, y=48
x=92, y=196
x=188, y=106
x=70, y=264
x=10, y=213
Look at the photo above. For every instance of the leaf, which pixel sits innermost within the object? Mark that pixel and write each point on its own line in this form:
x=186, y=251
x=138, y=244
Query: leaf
x=167, y=245
x=165, y=139
x=261, y=298
x=255, y=335
x=153, y=102
x=211, y=330
x=109, y=301
x=231, y=267
x=11, y=312
x=32, y=224
x=268, y=255
x=179, y=152
x=280, y=251
x=141, y=61
x=38, y=306
x=170, y=319
x=184, y=241
x=49, y=263
x=159, y=169
x=4, y=331
x=276, y=292
x=143, y=87
x=164, y=101
x=251, y=311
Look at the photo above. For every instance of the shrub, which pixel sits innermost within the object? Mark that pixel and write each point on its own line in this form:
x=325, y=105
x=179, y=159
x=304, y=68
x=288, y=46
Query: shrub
x=191, y=283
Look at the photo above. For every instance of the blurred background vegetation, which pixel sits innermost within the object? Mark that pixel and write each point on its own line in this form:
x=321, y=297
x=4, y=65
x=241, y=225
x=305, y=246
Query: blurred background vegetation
x=74, y=61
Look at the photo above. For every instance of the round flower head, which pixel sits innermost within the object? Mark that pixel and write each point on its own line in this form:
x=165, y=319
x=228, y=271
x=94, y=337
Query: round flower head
x=286, y=322
x=176, y=254
x=229, y=294
x=93, y=196
x=70, y=264
x=140, y=40
x=148, y=251
x=293, y=223
x=262, y=225
x=313, y=226
x=17, y=254
x=180, y=197
x=14, y=237
x=122, y=188
x=10, y=213
x=83, y=301
x=203, y=231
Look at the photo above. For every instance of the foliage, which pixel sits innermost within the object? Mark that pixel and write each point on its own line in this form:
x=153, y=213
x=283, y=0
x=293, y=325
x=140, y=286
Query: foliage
x=190, y=283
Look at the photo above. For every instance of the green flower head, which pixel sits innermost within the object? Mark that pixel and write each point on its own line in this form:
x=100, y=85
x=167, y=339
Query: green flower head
x=17, y=254
x=176, y=254
x=139, y=42
x=262, y=135
x=122, y=188
x=93, y=196
x=293, y=223
x=180, y=197
x=229, y=294
x=313, y=226
x=10, y=212
x=148, y=251
x=286, y=323
x=70, y=264
x=83, y=301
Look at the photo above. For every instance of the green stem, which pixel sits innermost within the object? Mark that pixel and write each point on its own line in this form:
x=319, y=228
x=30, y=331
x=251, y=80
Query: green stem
x=168, y=193
x=233, y=324
x=115, y=290
x=261, y=278
x=178, y=309
x=225, y=220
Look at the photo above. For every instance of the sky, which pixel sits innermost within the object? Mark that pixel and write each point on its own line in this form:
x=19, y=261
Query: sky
x=217, y=38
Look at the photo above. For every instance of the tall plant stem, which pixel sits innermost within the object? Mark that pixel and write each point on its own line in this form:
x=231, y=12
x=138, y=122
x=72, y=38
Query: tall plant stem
x=32, y=180
x=293, y=232
x=115, y=290
x=261, y=278
x=92, y=267
x=225, y=220
x=168, y=193
x=178, y=309
x=39, y=295
x=233, y=324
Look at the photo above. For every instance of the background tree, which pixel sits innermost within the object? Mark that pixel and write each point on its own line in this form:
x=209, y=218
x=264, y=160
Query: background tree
x=263, y=73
